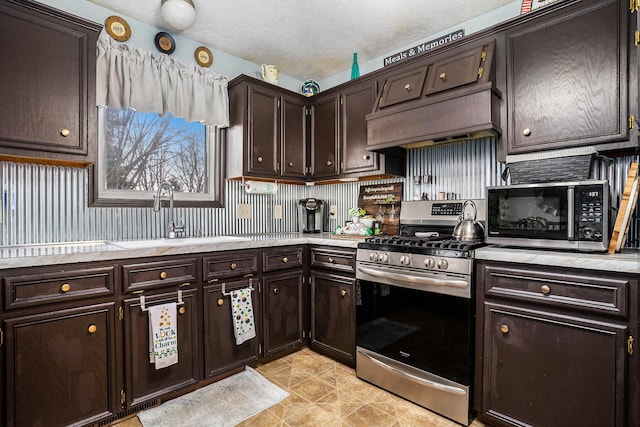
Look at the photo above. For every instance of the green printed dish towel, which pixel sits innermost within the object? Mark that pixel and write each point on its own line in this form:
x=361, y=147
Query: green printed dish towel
x=242, y=311
x=163, y=335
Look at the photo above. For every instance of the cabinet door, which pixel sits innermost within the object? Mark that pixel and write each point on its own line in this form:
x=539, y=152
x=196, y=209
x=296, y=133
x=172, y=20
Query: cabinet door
x=262, y=144
x=567, y=78
x=547, y=370
x=284, y=315
x=357, y=102
x=48, y=82
x=325, y=141
x=61, y=367
x=333, y=315
x=403, y=87
x=221, y=353
x=293, y=137
x=143, y=381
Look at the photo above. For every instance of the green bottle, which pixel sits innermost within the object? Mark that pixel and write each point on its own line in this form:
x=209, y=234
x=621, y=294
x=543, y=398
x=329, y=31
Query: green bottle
x=355, y=69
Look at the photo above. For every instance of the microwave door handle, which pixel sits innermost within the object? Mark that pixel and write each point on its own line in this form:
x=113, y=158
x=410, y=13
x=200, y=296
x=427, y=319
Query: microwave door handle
x=570, y=213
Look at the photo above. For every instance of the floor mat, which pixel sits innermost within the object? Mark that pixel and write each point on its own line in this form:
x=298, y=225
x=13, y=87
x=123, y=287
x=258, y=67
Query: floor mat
x=222, y=404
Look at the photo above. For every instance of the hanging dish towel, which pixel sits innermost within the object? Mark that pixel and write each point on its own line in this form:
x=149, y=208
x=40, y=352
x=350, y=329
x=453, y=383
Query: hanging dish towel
x=163, y=335
x=242, y=311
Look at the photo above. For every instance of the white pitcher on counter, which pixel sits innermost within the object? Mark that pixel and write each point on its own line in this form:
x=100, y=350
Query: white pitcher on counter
x=270, y=74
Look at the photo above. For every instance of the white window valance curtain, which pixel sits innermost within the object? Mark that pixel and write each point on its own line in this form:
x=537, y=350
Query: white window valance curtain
x=128, y=77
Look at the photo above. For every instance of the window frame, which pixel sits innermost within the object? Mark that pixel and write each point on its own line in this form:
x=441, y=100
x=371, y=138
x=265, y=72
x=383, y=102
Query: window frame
x=100, y=196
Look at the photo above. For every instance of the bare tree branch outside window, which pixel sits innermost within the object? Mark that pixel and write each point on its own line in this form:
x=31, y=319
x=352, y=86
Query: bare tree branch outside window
x=144, y=149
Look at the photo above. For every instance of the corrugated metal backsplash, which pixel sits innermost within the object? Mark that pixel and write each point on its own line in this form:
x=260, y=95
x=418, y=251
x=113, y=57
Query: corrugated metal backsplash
x=45, y=204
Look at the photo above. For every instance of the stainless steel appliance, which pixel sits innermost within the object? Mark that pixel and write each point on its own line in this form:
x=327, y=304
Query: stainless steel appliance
x=310, y=215
x=562, y=215
x=415, y=310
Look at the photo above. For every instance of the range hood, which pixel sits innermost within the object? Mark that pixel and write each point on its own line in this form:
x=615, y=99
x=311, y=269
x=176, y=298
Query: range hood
x=450, y=99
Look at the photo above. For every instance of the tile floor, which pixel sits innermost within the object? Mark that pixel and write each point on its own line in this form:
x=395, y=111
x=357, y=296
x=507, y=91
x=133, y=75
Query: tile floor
x=328, y=394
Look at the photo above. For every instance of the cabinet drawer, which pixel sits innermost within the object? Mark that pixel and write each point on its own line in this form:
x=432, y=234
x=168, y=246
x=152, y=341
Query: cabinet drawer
x=402, y=88
x=25, y=290
x=455, y=71
x=335, y=259
x=229, y=265
x=594, y=292
x=151, y=275
x=282, y=258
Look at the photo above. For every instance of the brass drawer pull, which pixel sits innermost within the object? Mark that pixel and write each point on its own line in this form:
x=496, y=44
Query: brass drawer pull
x=259, y=159
x=92, y=329
x=65, y=132
x=504, y=329
x=163, y=275
x=443, y=76
x=407, y=87
x=212, y=280
x=526, y=132
x=545, y=289
x=234, y=265
x=182, y=310
x=343, y=293
x=331, y=260
x=182, y=285
x=65, y=288
x=220, y=301
x=285, y=259
x=329, y=162
x=275, y=291
x=290, y=164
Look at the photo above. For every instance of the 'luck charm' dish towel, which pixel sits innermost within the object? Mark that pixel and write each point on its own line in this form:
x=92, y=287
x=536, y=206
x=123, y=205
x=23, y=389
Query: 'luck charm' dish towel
x=163, y=335
x=242, y=312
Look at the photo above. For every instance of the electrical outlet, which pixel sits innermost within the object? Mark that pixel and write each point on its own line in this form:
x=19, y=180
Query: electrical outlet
x=333, y=211
x=277, y=211
x=244, y=211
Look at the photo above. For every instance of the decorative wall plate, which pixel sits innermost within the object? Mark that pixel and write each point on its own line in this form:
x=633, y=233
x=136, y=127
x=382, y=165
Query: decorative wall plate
x=117, y=28
x=203, y=56
x=165, y=43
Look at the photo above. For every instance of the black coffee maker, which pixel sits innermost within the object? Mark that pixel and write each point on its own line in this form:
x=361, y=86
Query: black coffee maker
x=310, y=215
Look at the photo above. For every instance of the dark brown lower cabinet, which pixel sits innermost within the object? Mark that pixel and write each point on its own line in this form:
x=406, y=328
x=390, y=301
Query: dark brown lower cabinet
x=143, y=382
x=333, y=315
x=546, y=370
x=284, y=307
x=221, y=353
x=61, y=367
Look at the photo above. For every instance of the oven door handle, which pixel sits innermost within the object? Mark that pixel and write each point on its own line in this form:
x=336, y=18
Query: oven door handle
x=451, y=282
x=431, y=384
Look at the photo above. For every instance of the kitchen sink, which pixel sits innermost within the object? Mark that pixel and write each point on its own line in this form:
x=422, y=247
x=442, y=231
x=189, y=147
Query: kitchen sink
x=185, y=241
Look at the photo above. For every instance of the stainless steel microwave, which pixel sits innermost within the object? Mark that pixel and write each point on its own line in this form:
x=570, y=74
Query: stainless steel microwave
x=562, y=215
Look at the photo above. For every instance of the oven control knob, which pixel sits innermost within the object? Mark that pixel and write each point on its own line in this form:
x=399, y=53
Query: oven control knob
x=442, y=264
x=429, y=262
x=383, y=258
x=373, y=256
x=405, y=260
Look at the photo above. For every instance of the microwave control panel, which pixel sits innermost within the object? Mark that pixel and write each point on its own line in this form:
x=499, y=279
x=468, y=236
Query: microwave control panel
x=590, y=212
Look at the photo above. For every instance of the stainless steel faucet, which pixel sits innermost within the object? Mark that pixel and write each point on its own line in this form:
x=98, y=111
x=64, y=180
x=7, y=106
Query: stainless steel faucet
x=172, y=228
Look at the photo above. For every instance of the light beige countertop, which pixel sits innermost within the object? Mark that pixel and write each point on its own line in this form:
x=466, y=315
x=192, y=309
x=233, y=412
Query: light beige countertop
x=627, y=261
x=87, y=251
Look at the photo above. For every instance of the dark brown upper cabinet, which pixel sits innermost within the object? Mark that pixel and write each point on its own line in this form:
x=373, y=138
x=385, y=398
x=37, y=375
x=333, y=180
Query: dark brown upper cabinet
x=267, y=135
x=325, y=137
x=404, y=87
x=457, y=70
x=48, y=69
x=567, y=78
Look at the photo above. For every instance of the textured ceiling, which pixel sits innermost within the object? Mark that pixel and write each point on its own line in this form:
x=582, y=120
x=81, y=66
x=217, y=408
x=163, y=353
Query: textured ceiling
x=312, y=39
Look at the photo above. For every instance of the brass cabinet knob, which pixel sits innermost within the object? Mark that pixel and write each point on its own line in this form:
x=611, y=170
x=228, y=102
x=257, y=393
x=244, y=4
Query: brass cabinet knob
x=526, y=132
x=443, y=76
x=182, y=310
x=65, y=132
x=275, y=291
x=65, y=287
x=220, y=301
x=285, y=259
x=545, y=289
x=343, y=292
x=329, y=162
x=163, y=275
x=234, y=265
x=331, y=260
x=259, y=159
x=504, y=329
x=92, y=329
x=290, y=164
x=407, y=87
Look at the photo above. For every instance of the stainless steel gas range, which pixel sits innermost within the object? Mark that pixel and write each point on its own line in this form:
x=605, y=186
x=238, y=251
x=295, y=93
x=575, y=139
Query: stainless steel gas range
x=415, y=309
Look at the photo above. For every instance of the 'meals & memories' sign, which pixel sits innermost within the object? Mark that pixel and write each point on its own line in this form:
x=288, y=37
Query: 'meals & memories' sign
x=424, y=47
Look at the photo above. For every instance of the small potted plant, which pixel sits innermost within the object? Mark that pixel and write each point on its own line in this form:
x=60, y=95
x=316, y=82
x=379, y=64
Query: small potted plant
x=356, y=213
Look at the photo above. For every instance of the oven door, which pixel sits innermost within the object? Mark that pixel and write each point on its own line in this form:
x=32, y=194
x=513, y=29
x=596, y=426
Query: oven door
x=428, y=331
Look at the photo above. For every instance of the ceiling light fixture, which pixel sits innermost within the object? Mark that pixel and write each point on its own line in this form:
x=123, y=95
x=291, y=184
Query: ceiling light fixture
x=179, y=14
